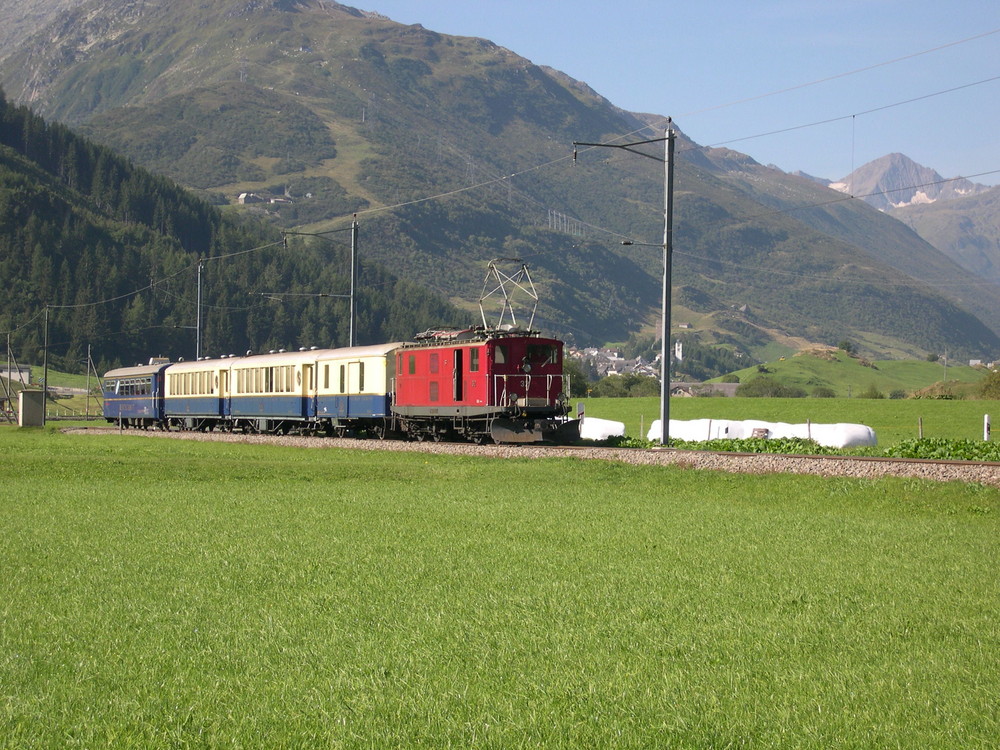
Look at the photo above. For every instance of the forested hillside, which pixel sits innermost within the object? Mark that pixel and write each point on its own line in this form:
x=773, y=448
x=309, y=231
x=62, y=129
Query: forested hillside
x=113, y=251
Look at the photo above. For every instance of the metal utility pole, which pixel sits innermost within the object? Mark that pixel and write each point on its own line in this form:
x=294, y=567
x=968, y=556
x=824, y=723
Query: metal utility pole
x=668, y=257
x=668, y=210
x=354, y=276
x=197, y=322
x=352, y=309
x=45, y=366
x=88, y=382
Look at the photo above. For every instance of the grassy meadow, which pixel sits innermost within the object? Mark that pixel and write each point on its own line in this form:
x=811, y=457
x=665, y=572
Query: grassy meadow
x=848, y=375
x=163, y=593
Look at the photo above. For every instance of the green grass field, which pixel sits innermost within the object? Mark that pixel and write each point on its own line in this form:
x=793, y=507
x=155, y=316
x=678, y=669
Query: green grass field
x=893, y=420
x=163, y=593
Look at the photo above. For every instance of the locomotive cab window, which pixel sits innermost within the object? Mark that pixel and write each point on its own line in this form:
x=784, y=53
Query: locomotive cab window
x=542, y=354
x=500, y=354
x=473, y=360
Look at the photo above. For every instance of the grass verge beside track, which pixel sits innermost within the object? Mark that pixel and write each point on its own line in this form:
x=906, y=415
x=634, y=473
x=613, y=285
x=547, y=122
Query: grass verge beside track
x=893, y=420
x=161, y=593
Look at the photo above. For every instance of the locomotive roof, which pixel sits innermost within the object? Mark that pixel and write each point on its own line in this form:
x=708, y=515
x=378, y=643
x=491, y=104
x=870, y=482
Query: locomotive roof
x=475, y=333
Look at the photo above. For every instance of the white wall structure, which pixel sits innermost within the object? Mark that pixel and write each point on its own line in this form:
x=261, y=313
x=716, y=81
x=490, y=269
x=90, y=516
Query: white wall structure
x=840, y=435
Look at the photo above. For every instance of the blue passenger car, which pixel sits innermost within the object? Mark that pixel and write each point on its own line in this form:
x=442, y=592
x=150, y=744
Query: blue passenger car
x=353, y=383
x=271, y=392
x=133, y=396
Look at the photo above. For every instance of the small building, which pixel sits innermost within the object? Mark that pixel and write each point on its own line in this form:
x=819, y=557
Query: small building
x=16, y=374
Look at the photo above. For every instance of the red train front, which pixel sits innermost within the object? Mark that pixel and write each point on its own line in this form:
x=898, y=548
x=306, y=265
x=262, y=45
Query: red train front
x=481, y=384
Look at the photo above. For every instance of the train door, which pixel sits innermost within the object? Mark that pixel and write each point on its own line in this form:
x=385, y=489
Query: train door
x=225, y=400
x=457, y=376
x=307, y=389
x=355, y=389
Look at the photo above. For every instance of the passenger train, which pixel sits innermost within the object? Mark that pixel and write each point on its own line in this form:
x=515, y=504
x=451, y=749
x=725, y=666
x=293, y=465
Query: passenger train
x=502, y=385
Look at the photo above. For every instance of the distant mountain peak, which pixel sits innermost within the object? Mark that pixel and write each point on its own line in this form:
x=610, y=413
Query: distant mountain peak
x=895, y=181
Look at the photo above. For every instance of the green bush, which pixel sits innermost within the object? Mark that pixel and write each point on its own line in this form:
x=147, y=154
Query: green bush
x=989, y=388
x=627, y=385
x=765, y=387
x=871, y=392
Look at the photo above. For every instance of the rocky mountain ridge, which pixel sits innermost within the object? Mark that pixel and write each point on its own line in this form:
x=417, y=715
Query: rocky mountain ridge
x=896, y=181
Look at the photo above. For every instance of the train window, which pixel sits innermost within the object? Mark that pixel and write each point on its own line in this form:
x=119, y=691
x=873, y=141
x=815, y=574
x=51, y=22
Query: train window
x=413, y=364
x=500, y=354
x=361, y=376
x=473, y=360
x=326, y=377
x=542, y=354
x=399, y=364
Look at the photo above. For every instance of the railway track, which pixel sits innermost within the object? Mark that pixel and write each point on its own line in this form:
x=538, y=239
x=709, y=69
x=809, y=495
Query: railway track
x=986, y=473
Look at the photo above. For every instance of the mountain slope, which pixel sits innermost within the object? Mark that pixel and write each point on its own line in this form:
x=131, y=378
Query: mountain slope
x=336, y=111
x=966, y=230
x=885, y=240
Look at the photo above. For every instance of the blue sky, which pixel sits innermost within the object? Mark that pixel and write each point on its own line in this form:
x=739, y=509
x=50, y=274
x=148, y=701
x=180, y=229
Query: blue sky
x=701, y=62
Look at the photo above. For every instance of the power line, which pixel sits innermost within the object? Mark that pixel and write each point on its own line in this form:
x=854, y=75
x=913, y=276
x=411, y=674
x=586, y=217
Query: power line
x=840, y=75
x=845, y=117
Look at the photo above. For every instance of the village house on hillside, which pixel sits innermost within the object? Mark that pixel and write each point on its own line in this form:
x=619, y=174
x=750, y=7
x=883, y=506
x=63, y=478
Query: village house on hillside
x=611, y=362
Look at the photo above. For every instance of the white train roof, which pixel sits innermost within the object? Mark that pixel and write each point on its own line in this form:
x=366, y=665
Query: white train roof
x=135, y=372
x=279, y=359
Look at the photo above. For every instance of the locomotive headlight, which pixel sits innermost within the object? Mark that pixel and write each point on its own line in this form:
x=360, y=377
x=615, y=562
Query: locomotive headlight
x=526, y=366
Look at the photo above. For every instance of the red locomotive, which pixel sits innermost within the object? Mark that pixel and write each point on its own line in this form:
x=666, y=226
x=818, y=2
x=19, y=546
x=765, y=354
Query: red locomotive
x=479, y=383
